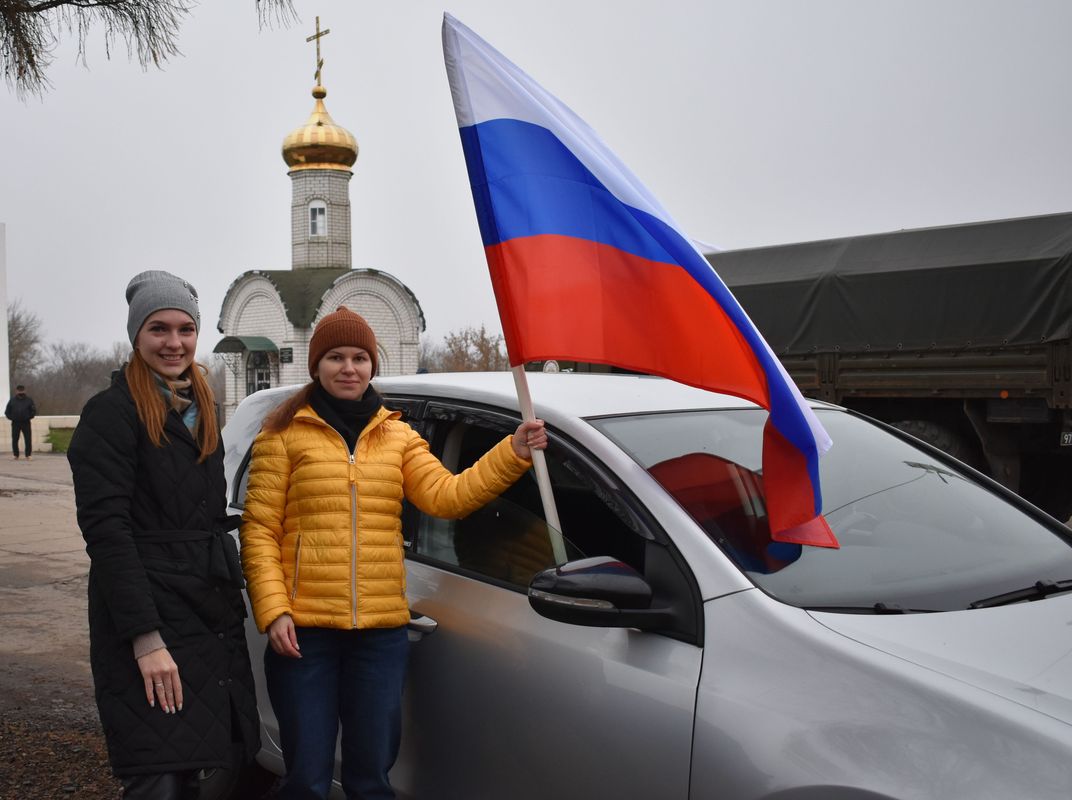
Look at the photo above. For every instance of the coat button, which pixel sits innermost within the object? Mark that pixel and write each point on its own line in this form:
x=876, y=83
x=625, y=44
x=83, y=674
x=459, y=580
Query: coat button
x=219, y=635
x=223, y=682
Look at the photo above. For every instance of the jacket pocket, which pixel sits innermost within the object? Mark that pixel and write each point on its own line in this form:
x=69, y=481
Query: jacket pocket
x=297, y=567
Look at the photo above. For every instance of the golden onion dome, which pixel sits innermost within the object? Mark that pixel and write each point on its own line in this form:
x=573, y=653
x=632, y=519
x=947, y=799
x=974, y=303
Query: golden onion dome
x=320, y=143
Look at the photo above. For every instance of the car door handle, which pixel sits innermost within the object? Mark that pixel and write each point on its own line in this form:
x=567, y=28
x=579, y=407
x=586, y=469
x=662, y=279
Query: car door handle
x=420, y=626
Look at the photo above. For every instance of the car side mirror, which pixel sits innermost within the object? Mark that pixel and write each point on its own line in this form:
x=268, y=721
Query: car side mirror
x=599, y=592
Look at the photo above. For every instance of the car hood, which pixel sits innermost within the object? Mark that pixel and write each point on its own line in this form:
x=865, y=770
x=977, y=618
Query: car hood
x=1021, y=652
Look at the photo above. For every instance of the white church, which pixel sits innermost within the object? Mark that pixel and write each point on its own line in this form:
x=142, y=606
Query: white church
x=269, y=315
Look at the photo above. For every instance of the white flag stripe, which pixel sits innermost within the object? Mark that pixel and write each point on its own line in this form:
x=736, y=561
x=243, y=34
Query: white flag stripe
x=488, y=86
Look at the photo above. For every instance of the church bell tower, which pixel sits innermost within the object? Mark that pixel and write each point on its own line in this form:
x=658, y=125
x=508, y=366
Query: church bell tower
x=319, y=155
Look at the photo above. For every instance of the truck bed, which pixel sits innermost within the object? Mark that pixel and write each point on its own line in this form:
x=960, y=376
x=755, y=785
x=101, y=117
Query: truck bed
x=988, y=288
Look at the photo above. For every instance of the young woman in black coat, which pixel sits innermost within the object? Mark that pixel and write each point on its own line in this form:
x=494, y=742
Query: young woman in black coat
x=167, y=647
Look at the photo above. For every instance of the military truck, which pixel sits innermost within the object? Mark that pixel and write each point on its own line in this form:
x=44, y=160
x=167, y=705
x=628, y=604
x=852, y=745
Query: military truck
x=958, y=335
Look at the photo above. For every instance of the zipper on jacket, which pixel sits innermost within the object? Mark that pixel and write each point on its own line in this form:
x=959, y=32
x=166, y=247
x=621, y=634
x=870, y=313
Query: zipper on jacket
x=297, y=566
x=353, y=516
x=353, y=533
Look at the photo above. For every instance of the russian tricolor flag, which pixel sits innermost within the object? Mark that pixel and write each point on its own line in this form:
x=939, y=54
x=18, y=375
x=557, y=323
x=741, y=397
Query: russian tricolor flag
x=588, y=266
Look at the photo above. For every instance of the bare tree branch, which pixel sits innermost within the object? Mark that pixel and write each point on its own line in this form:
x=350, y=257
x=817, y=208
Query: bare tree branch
x=271, y=13
x=24, y=337
x=30, y=30
x=71, y=373
x=467, y=350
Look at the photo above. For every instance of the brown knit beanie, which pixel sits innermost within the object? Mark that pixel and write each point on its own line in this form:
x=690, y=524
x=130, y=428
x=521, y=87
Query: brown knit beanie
x=342, y=328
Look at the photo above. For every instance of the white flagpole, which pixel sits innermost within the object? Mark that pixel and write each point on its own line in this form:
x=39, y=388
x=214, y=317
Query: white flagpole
x=539, y=464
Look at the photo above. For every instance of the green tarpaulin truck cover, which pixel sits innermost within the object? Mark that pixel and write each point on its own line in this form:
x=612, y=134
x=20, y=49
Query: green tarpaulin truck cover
x=987, y=284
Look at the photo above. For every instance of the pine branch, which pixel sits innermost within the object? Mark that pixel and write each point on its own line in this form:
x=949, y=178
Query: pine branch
x=30, y=30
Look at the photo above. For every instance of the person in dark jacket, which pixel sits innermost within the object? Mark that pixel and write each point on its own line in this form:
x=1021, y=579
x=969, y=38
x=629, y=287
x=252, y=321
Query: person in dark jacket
x=20, y=410
x=171, y=671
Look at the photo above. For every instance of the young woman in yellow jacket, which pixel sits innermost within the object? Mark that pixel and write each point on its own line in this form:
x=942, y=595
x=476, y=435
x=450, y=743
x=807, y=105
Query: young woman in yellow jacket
x=323, y=558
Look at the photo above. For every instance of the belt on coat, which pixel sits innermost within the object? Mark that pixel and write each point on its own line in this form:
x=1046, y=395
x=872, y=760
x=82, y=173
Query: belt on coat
x=224, y=564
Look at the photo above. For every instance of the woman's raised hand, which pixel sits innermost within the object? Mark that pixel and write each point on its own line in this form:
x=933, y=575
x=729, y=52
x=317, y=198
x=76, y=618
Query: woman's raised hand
x=529, y=436
x=161, y=676
x=282, y=636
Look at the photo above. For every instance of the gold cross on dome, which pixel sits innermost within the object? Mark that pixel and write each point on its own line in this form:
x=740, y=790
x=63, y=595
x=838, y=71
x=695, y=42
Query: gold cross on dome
x=316, y=37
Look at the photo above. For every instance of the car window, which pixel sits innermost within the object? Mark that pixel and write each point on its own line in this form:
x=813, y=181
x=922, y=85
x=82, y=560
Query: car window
x=501, y=541
x=915, y=531
x=508, y=540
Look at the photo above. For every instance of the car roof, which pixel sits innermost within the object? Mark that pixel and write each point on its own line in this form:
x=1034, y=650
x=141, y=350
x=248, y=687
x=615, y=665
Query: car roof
x=564, y=394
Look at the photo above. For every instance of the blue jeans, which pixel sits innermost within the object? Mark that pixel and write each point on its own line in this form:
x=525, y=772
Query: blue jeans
x=354, y=677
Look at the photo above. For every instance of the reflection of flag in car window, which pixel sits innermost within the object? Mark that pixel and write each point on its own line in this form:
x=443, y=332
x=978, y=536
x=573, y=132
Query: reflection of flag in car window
x=727, y=501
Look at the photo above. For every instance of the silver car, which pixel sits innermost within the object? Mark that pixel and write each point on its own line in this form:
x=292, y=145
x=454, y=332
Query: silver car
x=680, y=653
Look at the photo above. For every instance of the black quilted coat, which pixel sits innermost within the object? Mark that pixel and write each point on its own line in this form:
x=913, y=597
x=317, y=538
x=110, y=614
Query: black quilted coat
x=155, y=525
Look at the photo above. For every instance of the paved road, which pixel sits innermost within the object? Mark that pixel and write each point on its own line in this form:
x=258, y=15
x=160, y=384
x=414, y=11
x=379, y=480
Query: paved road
x=43, y=570
x=50, y=740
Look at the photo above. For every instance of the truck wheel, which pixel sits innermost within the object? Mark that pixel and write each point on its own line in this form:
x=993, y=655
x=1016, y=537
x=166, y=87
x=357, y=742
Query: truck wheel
x=946, y=440
x=1051, y=488
x=1055, y=502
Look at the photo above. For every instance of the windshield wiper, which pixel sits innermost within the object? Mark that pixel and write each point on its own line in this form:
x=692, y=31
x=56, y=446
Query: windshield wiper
x=877, y=608
x=1037, y=591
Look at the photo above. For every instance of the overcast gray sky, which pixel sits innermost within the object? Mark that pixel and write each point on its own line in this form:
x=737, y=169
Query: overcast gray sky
x=755, y=122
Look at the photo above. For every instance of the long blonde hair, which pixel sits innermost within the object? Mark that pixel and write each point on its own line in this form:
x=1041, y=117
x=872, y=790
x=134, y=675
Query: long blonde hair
x=152, y=409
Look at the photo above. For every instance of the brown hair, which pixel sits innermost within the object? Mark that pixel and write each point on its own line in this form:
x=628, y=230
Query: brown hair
x=152, y=410
x=281, y=417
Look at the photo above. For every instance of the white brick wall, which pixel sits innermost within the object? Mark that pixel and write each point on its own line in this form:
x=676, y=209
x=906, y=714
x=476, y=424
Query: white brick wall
x=252, y=308
x=331, y=186
x=391, y=311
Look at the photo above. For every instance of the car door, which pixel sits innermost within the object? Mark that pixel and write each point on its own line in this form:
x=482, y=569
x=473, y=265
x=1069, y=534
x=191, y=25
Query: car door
x=504, y=703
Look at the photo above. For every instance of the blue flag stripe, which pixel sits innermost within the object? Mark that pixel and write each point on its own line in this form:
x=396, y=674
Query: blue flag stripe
x=527, y=183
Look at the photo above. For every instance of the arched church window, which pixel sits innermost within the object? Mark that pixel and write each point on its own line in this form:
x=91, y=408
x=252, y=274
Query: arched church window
x=258, y=373
x=318, y=218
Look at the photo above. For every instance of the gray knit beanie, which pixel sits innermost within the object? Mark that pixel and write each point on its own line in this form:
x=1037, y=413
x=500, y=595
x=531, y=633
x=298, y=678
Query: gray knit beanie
x=154, y=290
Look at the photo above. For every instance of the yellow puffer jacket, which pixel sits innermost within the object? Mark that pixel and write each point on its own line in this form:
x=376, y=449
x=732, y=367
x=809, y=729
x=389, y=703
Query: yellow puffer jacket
x=322, y=532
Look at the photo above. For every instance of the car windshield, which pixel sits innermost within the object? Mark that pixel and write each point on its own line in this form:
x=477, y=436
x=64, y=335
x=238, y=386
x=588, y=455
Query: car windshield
x=915, y=532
